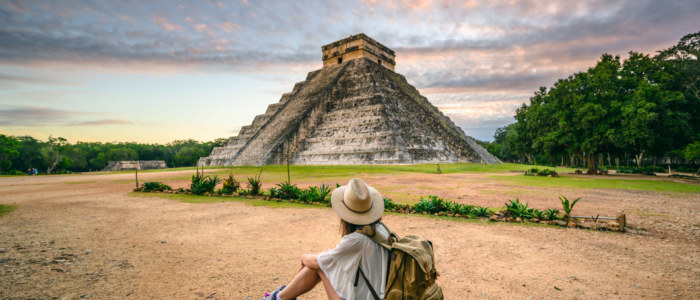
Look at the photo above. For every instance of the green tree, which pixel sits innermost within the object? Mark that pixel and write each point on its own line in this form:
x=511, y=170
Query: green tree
x=53, y=151
x=122, y=153
x=9, y=150
x=188, y=156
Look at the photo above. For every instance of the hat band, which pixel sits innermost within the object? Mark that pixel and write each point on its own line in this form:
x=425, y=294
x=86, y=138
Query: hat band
x=358, y=212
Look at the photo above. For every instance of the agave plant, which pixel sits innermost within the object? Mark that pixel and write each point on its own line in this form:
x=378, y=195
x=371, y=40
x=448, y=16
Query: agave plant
x=424, y=205
x=516, y=209
x=551, y=214
x=254, y=185
x=481, y=211
x=231, y=185
x=155, y=186
x=537, y=214
x=452, y=207
x=568, y=206
x=324, y=193
x=466, y=210
x=389, y=204
x=288, y=191
x=274, y=193
x=202, y=184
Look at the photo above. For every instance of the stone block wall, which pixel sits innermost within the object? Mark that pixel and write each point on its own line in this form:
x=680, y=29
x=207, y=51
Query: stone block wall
x=135, y=165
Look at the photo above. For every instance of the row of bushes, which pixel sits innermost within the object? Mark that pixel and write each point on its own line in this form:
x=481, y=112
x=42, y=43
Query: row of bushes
x=648, y=170
x=517, y=209
x=204, y=184
x=542, y=172
x=314, y=194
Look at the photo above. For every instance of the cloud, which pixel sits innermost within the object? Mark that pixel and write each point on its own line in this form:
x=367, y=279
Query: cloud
x=13, y=80
x=166, y=24
x=472, y=51
x=100, y=122
x=43, y=116
x=32, y=116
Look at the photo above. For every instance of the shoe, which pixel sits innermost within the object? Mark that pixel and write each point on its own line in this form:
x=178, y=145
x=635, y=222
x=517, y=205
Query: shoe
x=273, y=294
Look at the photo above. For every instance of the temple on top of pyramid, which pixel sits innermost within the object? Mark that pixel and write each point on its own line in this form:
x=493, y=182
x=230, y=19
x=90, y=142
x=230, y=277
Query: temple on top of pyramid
x=354, y=110
x=358, y=46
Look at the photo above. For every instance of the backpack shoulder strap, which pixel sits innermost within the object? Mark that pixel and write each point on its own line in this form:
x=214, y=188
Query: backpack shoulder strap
x=371, y=233
x=369, y=285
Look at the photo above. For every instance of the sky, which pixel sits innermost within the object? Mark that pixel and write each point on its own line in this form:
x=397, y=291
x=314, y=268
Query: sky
x=157, y=71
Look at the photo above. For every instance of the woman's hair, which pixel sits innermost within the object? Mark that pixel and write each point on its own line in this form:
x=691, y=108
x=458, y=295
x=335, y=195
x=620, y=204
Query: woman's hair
x=348, y=228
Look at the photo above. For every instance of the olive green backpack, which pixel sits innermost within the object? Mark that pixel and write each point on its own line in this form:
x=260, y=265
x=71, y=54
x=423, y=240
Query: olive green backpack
x=411, y=273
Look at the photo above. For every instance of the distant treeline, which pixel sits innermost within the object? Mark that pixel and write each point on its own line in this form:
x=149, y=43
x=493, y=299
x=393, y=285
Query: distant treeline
x=57, y=155
x=637, y=110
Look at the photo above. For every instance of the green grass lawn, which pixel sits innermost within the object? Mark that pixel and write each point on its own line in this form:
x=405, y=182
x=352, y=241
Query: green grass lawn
x=4, y=209
x=340, y=173
x=602, y=182
x=278, y=173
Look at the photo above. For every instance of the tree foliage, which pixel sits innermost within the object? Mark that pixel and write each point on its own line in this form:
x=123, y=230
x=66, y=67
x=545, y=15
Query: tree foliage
x=640, y=106
x=56, y=154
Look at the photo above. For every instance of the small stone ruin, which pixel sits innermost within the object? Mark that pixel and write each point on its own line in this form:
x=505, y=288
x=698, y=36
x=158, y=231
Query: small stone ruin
x=354, y=110
x=134, y=165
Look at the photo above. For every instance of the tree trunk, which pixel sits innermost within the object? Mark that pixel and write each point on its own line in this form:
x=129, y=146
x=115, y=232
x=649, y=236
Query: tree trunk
x=571, y=160
x=53, y=165
x=639, y=159
x=591, y=160
x=609, y=164
x=617, y=163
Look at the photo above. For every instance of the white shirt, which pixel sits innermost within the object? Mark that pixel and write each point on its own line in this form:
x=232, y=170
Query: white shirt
x=353, y=250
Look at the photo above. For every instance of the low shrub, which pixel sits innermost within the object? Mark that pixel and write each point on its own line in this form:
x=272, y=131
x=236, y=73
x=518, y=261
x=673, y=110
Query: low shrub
x=202, y=184
x=568, y=206
x=288, y=191
x=389, y=204
x=543, y=172
x=481, y=211
x=230, y=186
x=431, y=205
x=537, y=214
x=254, y=185
x=648, y=170
x=274, y=192
x=687, y=169
x=551, y=214
x=324, y=194
x=315, y=194
x=155, y=186
x=516, y=209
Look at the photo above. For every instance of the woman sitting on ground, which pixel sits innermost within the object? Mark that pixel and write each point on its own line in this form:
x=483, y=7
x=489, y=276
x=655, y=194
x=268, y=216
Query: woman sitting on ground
x=356, y=260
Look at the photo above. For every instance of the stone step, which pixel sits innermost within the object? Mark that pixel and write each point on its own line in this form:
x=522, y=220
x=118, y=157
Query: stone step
x=270, y=135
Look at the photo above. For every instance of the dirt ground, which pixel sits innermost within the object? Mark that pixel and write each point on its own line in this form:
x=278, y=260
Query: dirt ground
x=83, y=236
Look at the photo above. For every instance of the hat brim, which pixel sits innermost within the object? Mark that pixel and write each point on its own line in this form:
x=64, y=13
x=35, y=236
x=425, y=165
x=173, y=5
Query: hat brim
x=372, y=215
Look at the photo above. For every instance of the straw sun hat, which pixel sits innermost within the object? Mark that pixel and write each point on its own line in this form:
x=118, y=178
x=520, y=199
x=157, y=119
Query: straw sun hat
x=357, y=203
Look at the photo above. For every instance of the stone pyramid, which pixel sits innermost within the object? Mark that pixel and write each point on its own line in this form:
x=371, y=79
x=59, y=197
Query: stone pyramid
x=355, y=110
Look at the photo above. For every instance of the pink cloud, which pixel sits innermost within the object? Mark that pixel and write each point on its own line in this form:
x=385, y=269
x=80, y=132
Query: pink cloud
x=167, y=25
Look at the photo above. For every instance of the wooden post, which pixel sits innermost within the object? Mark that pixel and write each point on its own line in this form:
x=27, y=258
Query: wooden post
x=137, y=177
x=289, y=178
x=622, y=221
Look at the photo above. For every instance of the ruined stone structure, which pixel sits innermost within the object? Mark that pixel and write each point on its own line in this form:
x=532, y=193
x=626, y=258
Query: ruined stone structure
x=358, y=46
x=135, y=165
x=352, y=111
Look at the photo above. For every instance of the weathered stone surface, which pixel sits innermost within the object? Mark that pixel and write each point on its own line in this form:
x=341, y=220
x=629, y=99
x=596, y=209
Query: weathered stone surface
x=356, y=112
x=135, y=165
